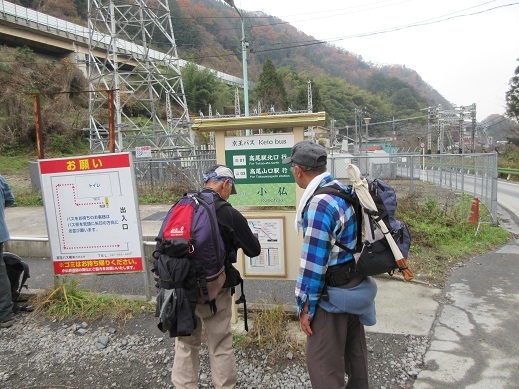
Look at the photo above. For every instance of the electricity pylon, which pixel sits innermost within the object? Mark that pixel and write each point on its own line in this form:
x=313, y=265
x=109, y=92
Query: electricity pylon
x=132, y=51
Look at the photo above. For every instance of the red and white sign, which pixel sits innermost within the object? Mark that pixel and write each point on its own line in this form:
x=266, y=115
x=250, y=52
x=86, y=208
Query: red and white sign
x=143, y=152
x=91, y=208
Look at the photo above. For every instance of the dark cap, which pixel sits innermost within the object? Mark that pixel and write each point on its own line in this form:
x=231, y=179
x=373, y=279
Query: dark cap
x=220, y=173
x=306, y=153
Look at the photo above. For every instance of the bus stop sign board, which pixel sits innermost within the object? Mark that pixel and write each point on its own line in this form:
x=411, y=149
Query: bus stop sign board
x=261, y=178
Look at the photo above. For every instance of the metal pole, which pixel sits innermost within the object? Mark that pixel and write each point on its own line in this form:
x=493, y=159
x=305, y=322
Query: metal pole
x=357, y=137
x=38, y=124
x=366, y=137
x=111, y=121
x=366, y=120
x=244, y=59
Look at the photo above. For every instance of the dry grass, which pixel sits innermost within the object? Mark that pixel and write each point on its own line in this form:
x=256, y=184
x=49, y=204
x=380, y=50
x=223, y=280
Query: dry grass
x=271, y=332
x=442, y=236
x=66, y=301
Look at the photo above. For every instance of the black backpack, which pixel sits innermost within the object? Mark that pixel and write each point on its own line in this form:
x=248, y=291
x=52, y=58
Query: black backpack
x=17, y=272
x=373, y=254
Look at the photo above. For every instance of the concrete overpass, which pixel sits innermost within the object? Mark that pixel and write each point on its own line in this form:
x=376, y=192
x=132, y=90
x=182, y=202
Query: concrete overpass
x=20, y=26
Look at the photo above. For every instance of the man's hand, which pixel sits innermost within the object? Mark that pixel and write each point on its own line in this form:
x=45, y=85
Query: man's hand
x=304, y=322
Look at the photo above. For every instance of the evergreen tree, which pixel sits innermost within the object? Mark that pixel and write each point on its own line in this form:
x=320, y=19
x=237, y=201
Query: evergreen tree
x=512, y=97
x=270, y=90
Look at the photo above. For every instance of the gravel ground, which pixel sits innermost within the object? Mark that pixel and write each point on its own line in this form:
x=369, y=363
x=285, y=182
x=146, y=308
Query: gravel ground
x=38, y=353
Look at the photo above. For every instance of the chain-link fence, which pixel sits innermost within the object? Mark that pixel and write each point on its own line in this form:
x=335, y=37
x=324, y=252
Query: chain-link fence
x=172, y=175
x=470, y=174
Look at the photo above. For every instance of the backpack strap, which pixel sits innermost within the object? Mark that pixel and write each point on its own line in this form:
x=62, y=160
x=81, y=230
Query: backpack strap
x=336, y=190
x=243, y=300
x=24, y=277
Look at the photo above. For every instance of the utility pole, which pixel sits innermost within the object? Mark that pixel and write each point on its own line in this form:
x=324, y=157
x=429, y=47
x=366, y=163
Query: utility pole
x=244, y=45
x=474, y=126
x=358, y=131
x=461, y=122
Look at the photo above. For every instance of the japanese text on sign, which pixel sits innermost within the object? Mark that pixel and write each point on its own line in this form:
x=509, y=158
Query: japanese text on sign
x=92, y=214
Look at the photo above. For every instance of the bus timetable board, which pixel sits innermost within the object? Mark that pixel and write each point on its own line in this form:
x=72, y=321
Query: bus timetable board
x=91, y=208
x=261, y=178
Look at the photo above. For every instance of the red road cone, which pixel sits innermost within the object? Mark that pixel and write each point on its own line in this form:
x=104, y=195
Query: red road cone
x=474, y=216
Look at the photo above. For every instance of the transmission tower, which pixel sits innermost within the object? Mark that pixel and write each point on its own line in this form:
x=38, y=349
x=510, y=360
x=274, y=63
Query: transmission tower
x=150, y=105
x=310, y=107
x=456, y=118
x=433, y=126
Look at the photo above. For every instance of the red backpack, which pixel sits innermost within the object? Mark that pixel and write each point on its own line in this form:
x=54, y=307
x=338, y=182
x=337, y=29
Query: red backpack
x=190, y=252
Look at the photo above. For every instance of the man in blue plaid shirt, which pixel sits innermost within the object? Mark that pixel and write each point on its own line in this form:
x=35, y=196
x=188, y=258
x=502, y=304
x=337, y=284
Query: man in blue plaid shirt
x=332, y=314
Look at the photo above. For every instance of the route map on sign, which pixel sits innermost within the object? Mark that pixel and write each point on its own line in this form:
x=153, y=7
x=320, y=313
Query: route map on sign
x=270, y=261
x=92, y=214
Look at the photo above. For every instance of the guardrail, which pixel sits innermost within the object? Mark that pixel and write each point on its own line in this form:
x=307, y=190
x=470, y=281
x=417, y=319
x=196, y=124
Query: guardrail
x=49, y=24
x=510, y=172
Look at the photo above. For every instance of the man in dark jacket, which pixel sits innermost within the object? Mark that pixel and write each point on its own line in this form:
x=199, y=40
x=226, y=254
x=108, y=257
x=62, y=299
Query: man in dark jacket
x=236, y=233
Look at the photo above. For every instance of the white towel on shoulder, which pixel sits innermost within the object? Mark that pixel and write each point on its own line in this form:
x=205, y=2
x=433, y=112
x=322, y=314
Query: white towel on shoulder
x=309, y=191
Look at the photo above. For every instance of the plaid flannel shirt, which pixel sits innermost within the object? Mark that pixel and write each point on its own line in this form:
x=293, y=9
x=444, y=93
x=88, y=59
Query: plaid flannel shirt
x=326, y=219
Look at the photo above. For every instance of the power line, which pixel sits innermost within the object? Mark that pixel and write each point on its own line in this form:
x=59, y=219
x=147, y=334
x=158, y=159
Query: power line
x=398, y=120
x=312, y=42
x=385, y=31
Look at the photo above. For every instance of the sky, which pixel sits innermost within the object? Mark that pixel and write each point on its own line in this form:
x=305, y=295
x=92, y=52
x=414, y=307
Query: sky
x=465, y=49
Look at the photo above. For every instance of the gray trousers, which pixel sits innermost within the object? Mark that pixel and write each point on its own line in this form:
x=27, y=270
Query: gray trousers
x=337, y=347
x=6, y=301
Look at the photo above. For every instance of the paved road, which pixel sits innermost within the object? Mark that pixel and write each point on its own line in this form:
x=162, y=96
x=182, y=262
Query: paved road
x=507, y=193
x=475, y=338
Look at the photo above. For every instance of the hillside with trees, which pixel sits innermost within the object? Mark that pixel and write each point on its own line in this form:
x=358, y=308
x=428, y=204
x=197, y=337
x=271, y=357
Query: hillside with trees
x=281, y=62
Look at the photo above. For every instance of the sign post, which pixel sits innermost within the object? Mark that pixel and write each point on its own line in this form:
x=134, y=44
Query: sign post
x=267, y=193
x=422, y=146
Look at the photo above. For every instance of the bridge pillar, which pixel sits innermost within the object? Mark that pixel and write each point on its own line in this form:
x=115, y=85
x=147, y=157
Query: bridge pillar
x=78, y=58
